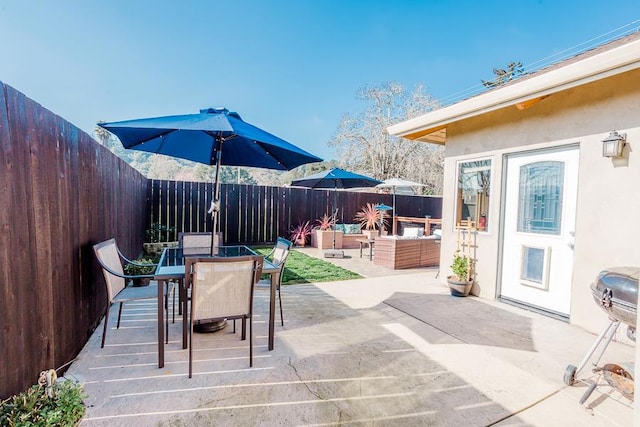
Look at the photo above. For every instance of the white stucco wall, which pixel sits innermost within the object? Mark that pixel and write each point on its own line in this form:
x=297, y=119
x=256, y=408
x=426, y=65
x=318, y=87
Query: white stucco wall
x=608, y=209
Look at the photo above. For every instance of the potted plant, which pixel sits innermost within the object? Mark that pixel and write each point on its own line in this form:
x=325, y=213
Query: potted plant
x=371, y=220
x=461, y=282
x=300, y=233
x=140, y=267
x=158, y=237
x=322, y=236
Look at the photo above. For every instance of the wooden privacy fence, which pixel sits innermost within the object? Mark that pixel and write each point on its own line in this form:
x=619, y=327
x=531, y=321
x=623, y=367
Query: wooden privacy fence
x=60, y=192
x=256, y=214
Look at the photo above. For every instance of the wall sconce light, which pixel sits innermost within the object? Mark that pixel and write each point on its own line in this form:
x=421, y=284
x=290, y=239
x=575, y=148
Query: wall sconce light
x=613, y=145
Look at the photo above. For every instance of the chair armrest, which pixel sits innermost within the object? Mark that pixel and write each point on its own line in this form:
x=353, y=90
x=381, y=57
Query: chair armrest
x=128, y=261
x=126, y=276
x=270, y=254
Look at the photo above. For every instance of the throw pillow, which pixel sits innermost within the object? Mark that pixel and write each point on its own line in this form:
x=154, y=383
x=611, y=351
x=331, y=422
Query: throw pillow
x=352, y=229
x=413, y=232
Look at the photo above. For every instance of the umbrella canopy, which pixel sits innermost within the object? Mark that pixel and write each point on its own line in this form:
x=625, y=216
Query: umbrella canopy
x=203, y=137
x=394, y=183
x=215, y=136
x=382, y=207
x=335, y=178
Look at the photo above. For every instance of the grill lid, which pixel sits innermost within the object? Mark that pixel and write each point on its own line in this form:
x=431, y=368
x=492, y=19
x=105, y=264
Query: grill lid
x=621, y=283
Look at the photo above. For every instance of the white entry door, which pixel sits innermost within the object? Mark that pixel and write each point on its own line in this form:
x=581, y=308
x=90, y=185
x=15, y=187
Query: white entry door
x=539, y=224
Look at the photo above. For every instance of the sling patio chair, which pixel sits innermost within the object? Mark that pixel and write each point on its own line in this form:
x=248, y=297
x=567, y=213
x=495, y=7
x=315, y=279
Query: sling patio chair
x=278, y=256
x=111, y=260
x=192, y=244
x=197, y=243
x=222, y=288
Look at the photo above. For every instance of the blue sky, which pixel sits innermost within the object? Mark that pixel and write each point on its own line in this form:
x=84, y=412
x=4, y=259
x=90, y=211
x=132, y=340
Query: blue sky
x=292, y=67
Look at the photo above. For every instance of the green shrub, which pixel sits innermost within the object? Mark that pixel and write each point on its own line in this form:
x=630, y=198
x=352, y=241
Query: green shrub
x=142, y=266
x=160, y=233
x=34, y=408
x=462, y=266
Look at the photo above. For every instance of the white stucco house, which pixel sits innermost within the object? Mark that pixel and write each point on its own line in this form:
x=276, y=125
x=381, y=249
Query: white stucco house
x=525, y=162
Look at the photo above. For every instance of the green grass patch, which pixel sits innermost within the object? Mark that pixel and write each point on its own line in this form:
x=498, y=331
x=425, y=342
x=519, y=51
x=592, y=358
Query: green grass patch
x=301, y=268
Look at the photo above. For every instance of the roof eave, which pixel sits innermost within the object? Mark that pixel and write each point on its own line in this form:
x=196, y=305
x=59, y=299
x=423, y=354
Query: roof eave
x=431, y=127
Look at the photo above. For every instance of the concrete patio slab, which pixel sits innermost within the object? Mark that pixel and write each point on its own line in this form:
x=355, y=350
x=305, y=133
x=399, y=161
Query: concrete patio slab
x=374, y=351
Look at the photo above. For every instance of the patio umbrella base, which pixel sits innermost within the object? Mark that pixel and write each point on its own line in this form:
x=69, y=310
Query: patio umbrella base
x=209, y=327
x=334, y=253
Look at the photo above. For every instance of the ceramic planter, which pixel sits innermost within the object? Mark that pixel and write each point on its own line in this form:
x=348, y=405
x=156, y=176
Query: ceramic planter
x=323, y=239
x=459, y=288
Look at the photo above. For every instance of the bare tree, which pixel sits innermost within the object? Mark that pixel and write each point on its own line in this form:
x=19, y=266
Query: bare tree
x=107, y=139
x=363, y=144
x=429, y=170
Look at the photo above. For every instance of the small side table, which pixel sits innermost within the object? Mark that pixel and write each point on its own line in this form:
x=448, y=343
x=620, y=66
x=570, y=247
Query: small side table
x=369, y=243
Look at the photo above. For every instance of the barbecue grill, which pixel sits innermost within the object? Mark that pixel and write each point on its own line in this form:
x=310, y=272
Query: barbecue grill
x=615, y=291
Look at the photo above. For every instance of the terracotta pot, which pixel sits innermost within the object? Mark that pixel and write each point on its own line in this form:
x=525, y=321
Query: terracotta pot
x=459, y=288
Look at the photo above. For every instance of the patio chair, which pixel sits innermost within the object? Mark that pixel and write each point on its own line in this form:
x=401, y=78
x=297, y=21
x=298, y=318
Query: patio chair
x=111, y=260
x=222, y=288
x=278, y=256
x=193, y=243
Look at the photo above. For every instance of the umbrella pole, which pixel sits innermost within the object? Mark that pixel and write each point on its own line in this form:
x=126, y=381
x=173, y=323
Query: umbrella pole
x=333, y=253
x=335, y=217
x=395, y=226
x=216, y=193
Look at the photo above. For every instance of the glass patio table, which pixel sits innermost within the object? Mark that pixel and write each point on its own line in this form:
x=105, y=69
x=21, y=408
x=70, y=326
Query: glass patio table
x=171, y=267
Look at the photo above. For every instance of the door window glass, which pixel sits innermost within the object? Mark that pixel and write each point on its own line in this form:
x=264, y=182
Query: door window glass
x=540, y=197
x=533, y=268
x=474, y=184
x=532, y=264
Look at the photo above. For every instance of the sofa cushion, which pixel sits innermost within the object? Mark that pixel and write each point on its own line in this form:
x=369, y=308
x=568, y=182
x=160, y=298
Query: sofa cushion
x=413, y=232
x=349, y=228
x=352, y=229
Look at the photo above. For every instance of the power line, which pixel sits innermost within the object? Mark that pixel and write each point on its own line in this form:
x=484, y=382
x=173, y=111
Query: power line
x=535, y=66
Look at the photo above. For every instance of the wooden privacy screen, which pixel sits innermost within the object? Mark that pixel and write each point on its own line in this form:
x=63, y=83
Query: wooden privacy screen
x=255, y=214
x=60, y=193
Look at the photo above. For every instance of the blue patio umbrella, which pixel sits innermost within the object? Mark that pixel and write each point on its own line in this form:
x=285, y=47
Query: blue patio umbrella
x=335, y=178
x=215, y=136
x=382, y=208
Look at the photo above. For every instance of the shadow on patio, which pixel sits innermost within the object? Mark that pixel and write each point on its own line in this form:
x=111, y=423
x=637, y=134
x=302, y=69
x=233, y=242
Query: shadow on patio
x=332, y=364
